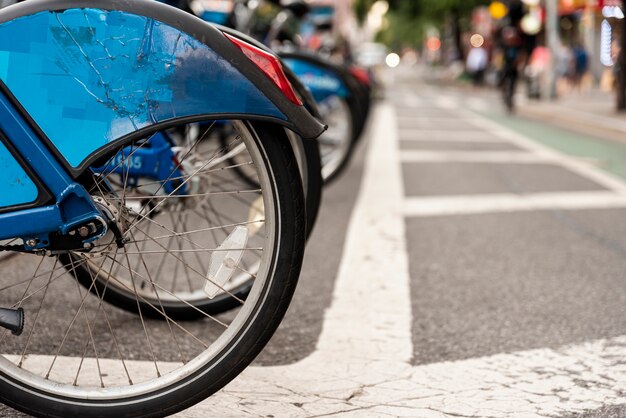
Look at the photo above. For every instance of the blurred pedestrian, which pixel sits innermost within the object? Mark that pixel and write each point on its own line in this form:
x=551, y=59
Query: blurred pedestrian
x=564, y=67
x=581, y=64
x=476, y=64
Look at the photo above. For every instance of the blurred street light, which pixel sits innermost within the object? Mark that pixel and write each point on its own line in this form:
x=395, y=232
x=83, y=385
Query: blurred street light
x=392, y=60
x=477, y=40
x=433, y=43
x=531, y=22
x=498, y=10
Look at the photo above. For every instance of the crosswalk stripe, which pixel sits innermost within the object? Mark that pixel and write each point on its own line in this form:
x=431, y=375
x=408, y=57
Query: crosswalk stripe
x=408, y=134
x=502, y=157
x=493, y=203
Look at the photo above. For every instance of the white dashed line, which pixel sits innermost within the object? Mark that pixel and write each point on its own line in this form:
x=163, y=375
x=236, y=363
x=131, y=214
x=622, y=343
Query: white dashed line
x=504, y=157
x=477, y=204
x=407, y=134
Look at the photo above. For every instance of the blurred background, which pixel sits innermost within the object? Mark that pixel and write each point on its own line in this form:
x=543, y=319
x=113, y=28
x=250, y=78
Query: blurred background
x=556, y=47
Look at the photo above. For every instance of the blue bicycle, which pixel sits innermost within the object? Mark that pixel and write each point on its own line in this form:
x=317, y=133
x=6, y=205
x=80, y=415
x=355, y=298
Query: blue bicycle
x=111, y=193
x=336, y=91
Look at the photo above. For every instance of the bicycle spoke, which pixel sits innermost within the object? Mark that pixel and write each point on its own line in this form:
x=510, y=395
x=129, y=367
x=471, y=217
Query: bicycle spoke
x=202, y=275
x=161, y=312
x=70, y=325
x=196, y=231
x=143, y=323
x=206, y=315
x=199, y=174
x=106, y=317
x=169, y=325
x=30, y=295
x=180, y=247
x=93, y=343
x=32, y=330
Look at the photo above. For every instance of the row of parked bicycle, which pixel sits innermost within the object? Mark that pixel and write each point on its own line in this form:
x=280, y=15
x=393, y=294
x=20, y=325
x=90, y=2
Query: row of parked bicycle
x=160, y=176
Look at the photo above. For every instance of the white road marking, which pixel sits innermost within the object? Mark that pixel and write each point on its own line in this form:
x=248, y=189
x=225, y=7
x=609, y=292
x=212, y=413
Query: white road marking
x=504, y=157
x=407, y=134
x=578, y=166
x=419, y=118
x=533, y=383
x=361, y=366
x=366, y=338
x=446, y=102
x=411, y=100
x=477, y=204
x=477, y=103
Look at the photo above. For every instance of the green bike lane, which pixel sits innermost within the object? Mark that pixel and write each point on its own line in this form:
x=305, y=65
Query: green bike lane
x=606, y=154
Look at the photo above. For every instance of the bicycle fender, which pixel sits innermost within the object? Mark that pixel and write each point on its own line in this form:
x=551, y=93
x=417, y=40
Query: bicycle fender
x=90, y=78
x=303, y=92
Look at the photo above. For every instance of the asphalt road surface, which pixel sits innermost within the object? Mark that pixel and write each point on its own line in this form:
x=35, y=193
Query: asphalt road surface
x=461, y=267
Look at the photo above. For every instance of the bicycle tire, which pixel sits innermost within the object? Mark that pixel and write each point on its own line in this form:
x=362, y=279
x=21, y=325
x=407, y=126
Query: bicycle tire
x=333, y=167
x=310, y=164
x=216, y=365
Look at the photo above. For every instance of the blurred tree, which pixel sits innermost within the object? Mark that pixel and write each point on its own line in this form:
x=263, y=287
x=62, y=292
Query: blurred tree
x=361, y=7
x=409, y=18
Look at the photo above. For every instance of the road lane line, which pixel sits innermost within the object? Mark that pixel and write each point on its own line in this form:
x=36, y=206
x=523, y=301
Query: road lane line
x=421, y=118
x=578, y=166
x=493, y=203
x=533, y=383
x=502, y=157
x=408, y=134
x=374, y=265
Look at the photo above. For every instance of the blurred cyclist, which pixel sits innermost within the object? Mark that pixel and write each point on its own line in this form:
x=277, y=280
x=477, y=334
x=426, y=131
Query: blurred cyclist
x=511, y=42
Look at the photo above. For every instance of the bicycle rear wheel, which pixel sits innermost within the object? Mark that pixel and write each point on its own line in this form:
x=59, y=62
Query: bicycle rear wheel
x=80, y=357
x=337, y=143
x=307, y=154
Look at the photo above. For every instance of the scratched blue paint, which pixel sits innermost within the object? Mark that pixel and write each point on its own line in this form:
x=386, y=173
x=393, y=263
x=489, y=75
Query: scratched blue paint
x=18, y=188
x=322, y=82
x=88, y=77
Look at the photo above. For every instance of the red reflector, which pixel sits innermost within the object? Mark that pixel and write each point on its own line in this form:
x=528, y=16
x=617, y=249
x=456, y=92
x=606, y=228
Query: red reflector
x=270, y=65
x=361, y=74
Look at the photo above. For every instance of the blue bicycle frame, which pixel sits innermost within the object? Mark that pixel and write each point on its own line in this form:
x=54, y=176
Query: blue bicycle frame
x=154, y=159
x=77, y=85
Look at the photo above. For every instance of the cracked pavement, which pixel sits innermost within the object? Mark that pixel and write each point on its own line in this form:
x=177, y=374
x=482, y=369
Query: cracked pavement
x=364, y=364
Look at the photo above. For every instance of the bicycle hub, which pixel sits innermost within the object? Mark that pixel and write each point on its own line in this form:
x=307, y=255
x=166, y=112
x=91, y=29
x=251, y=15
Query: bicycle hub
x=12, y=319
